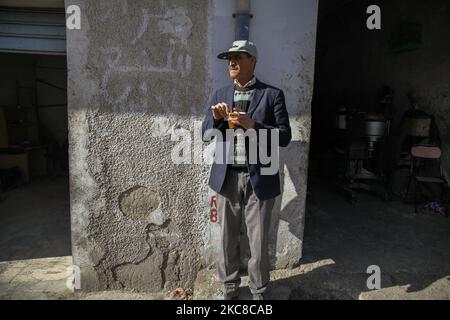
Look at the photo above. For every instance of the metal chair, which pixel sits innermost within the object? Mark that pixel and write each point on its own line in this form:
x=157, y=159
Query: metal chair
x=422, y=153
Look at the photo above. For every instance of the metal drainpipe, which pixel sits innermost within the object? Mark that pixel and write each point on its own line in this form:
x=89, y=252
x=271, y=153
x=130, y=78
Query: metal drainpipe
x=242, y=17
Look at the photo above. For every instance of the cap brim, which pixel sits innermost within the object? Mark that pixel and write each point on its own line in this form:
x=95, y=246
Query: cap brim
x=224, y=55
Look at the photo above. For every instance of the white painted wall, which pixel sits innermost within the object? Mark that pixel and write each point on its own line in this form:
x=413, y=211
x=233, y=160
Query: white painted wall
x=221, y=35
x=283, y=32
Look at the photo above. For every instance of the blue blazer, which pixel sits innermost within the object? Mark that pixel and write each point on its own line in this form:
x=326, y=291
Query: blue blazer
x=268, y=110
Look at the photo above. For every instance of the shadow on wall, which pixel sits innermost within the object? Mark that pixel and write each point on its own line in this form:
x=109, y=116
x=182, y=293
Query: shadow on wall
x=289, y=207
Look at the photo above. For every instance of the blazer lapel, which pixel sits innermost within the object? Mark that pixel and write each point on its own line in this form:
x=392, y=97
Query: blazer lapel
x=230, y=98
x=255, y=99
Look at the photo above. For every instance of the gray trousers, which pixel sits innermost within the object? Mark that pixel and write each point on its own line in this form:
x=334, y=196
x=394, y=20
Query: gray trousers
x=235, y=202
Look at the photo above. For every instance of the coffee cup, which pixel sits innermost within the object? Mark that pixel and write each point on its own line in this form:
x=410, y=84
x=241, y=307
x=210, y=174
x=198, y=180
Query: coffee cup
x=231, y=116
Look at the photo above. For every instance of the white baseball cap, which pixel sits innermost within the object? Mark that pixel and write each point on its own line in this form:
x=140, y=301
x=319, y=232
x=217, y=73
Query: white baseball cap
x=238, y=47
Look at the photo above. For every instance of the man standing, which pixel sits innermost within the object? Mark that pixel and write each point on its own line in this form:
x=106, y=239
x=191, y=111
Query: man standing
x=243, y=190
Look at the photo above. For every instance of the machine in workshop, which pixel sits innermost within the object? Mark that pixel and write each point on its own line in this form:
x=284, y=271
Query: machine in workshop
x=361, y=137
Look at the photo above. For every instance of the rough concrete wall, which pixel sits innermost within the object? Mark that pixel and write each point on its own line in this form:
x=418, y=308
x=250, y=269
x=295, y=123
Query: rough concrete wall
x=354, y=63
x=285, y=34
x=137, y=73
x=140, y=73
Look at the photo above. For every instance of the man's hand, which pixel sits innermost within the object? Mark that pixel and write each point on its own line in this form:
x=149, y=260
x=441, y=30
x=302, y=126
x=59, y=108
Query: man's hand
x=244, y=121
x=220, y=111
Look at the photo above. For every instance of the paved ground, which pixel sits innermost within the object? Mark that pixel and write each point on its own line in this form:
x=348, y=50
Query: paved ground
x=411, y=250
x=35, y=221
x=46, y=278
x=341, y=241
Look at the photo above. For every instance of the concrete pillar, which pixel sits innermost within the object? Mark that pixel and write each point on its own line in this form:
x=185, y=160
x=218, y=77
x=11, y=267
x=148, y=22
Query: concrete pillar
x=140, y=73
